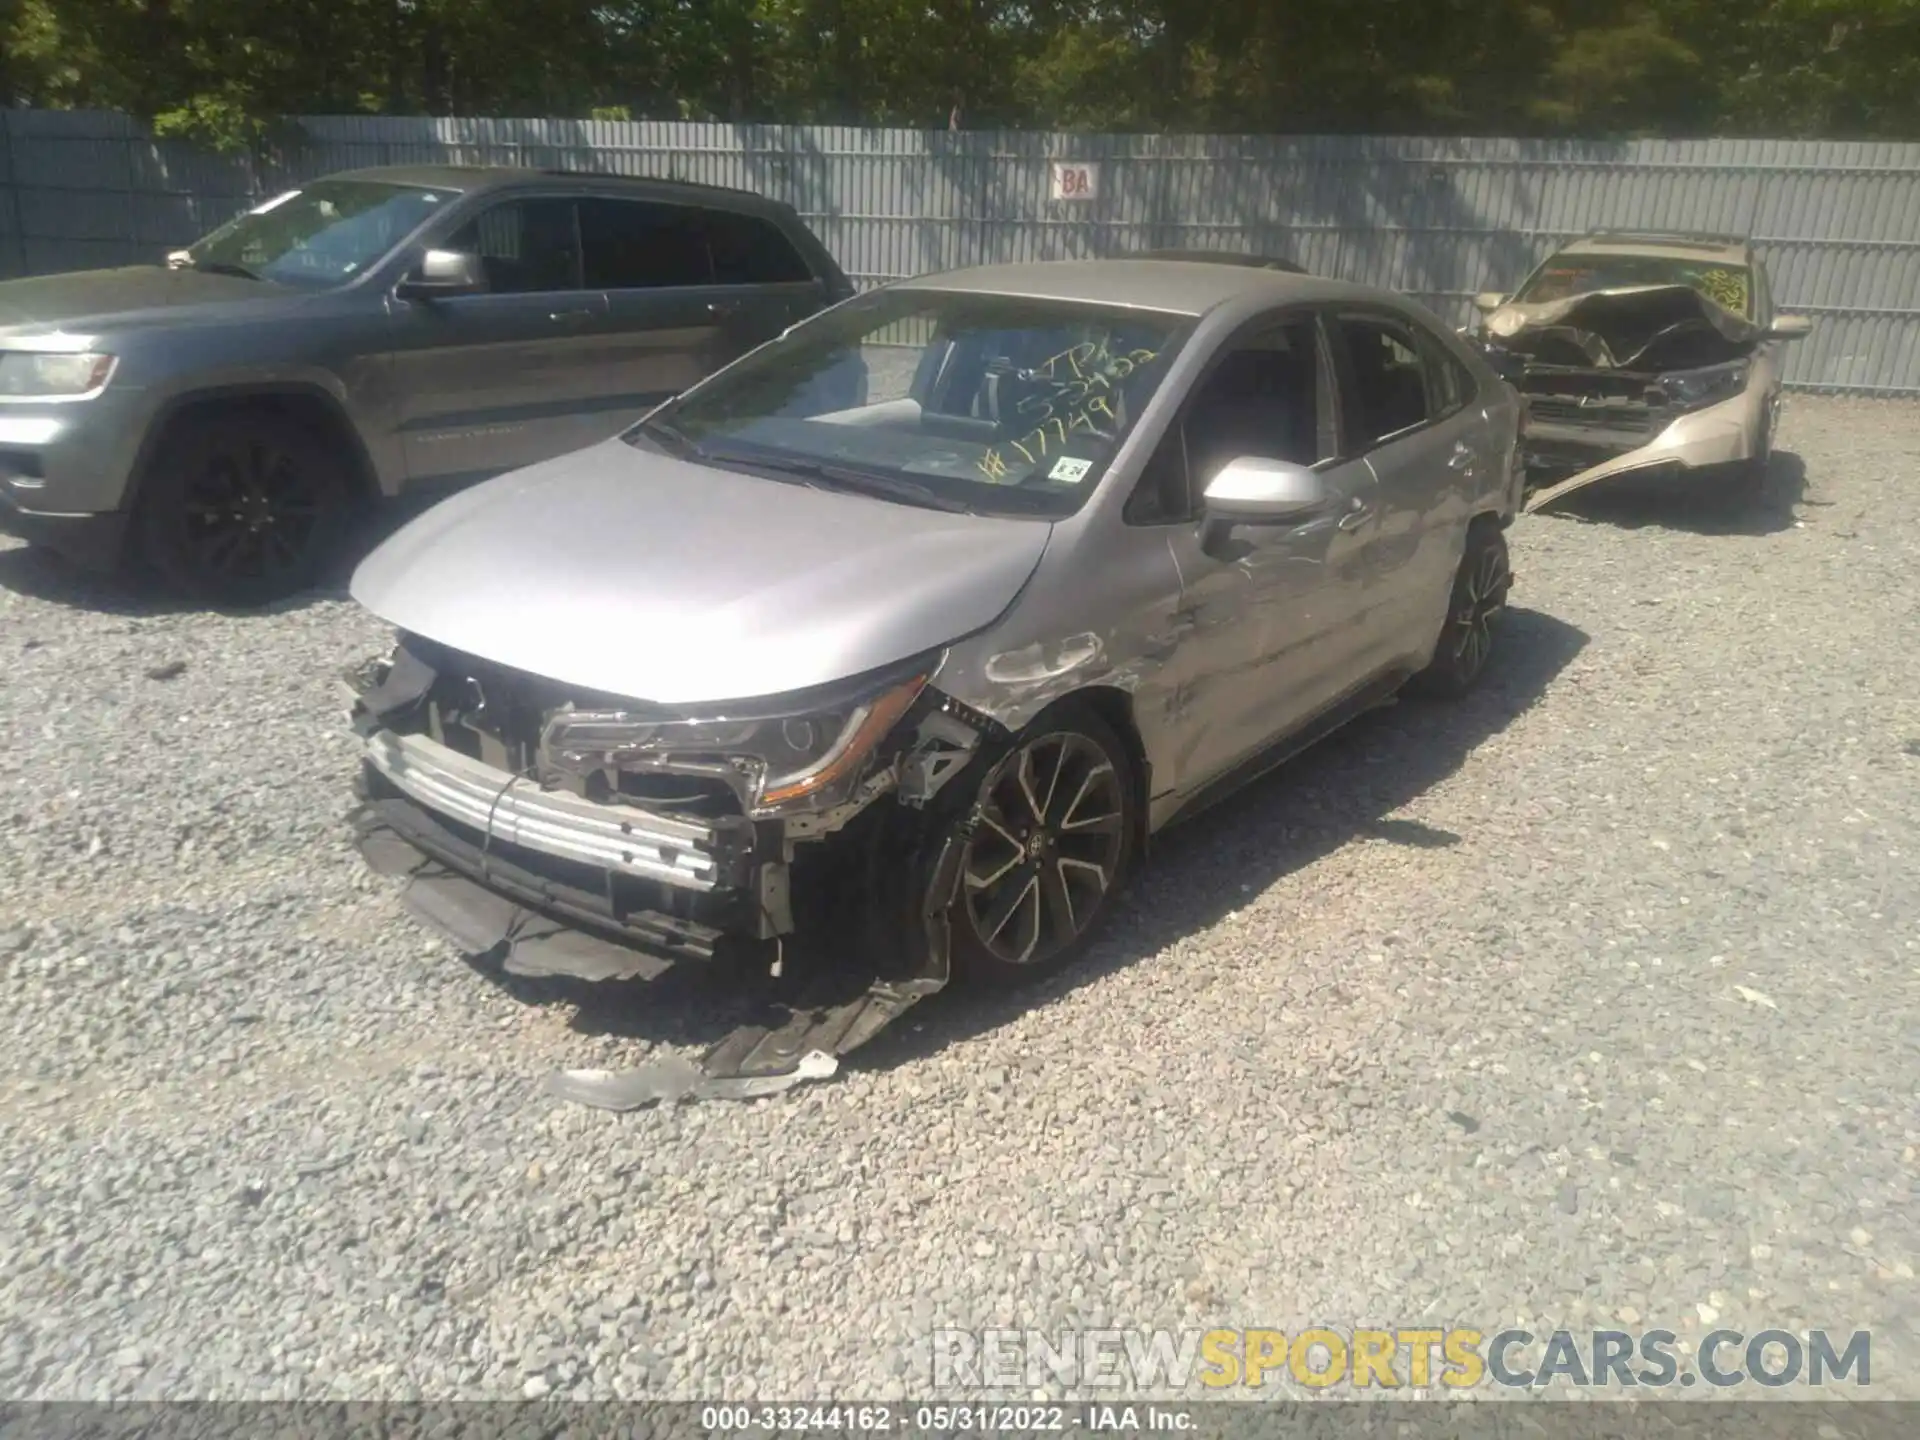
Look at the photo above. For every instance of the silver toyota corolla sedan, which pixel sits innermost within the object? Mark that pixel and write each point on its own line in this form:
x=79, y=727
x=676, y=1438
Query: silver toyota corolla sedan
x=911, y=628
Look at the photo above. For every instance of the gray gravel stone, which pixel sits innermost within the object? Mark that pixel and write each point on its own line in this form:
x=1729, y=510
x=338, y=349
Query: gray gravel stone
x=1449, y=1022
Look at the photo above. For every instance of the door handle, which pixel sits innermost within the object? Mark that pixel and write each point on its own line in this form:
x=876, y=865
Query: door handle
x=723, y=309
x=1358, y=513
x=560, y=315
x=1462, y=456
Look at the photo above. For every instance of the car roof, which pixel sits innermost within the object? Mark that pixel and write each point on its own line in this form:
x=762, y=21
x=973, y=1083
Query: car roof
x=1728, y=249
x=1181, y=287
x=472, y=178
x=1220, y=257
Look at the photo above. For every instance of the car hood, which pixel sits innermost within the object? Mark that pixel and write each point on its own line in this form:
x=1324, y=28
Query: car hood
x=1628, y=327
x=94, y=299
x=633, y=573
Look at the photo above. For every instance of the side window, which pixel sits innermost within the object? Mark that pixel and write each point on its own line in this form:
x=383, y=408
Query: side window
x=1451, y=385
x=1262, y=396
x=1385, y=385
x=526, y=246
x=638, y=245
x=748, y=250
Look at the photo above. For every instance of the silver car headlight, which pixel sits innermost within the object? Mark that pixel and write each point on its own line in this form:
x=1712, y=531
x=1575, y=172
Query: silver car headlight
x=803, y=759
x=48, y=375
x=1691, y=389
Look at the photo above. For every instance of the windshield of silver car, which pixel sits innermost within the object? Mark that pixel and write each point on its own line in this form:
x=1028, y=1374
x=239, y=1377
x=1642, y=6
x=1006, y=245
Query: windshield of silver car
x=322, y=234
x=1728, y=286
x=990, y=404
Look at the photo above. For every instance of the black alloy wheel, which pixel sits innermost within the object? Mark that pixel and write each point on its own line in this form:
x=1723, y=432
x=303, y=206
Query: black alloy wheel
x=1052, y=835
x=1478, y=601
x=243, y=510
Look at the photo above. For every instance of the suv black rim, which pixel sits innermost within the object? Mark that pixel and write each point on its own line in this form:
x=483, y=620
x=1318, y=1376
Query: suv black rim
x=1045, y=851
x=251, y=513
x=1483, y=597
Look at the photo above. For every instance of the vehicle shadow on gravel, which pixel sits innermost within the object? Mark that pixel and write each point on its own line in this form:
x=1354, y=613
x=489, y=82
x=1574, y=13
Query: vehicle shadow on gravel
x=1704, y=506
x=1342, y=790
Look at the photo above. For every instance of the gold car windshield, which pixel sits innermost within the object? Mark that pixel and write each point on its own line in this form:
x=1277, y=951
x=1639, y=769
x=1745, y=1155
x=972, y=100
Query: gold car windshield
x=1728, y=286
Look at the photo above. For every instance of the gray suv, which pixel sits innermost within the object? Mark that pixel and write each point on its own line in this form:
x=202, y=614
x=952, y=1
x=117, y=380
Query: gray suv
x=223, y=417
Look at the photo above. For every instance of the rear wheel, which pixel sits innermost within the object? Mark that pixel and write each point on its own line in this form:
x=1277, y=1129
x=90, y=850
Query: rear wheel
x=243, y=508
x=1052, y=838
x=1478, y=601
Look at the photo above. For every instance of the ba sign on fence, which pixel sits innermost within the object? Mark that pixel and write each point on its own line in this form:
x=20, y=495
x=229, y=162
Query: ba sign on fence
x=1075, y=180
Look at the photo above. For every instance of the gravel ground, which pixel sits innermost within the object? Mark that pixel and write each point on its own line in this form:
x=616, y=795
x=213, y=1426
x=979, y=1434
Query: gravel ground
x=1592, y=1000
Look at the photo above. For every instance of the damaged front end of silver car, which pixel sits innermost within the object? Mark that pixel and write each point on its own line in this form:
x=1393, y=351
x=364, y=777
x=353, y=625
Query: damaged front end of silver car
x=578, y=835
x=1632, y=379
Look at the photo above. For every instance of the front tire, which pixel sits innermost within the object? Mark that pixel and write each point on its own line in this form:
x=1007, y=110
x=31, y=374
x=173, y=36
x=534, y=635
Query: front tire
x=1474, y=610
x=1054, y=819
x=244, y=508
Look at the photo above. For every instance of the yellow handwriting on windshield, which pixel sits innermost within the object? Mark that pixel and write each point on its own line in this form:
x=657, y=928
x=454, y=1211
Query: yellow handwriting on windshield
x=1072, y=398
x=1726, y=288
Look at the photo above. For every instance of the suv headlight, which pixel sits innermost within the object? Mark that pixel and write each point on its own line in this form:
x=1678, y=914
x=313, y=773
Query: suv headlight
x=44, y=375
x=1691, y=389
x=795, y=760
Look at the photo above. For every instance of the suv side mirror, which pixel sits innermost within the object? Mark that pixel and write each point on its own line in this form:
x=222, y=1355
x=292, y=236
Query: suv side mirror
x=441, y=273
x=1250, y=490
x=1488, y=301
x=1789, y=327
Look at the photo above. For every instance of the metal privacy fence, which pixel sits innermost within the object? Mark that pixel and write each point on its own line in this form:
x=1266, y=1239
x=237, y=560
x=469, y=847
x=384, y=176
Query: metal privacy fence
x=1839, y=222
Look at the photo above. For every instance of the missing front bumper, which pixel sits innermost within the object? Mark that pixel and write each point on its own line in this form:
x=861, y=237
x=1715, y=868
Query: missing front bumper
x=544, y=881
x=803, y=1043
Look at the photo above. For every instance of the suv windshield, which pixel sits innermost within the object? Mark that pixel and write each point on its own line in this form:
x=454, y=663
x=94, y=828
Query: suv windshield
x=322, y=234
x=991, y=404
x=1728, y=286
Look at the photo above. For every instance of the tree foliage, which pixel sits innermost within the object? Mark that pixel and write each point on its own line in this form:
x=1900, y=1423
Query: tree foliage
x=224, y=69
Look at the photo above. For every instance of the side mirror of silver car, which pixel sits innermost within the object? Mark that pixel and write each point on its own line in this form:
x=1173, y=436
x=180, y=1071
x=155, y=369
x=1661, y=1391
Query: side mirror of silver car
x=1790, y=327
x=1488, y=301
x=444, y=272
x=1251, y=490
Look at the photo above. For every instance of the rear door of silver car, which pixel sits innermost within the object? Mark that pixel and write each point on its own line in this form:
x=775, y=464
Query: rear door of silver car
x=489, y=382
x=1427, y=448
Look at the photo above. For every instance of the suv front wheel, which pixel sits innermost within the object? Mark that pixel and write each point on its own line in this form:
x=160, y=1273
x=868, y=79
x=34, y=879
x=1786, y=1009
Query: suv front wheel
x=243, y=508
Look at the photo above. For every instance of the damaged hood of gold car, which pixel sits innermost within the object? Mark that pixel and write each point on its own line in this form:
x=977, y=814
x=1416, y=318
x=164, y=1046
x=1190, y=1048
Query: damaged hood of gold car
x=1637, y=327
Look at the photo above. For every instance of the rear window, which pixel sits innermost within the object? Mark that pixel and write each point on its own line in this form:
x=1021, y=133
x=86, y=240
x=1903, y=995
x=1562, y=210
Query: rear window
x=641, y=245
x=748, y=250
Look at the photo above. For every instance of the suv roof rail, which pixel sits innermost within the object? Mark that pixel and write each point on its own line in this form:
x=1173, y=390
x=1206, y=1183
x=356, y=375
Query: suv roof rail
x=1673, y=237
x=650, y=179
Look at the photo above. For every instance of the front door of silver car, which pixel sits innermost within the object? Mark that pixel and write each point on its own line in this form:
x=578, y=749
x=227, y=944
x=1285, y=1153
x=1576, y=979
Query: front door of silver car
x=492, y=381
x=1270, y=608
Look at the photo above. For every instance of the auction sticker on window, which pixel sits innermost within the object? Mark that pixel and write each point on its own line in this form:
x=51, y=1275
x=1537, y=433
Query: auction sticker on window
x=1069, y=471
